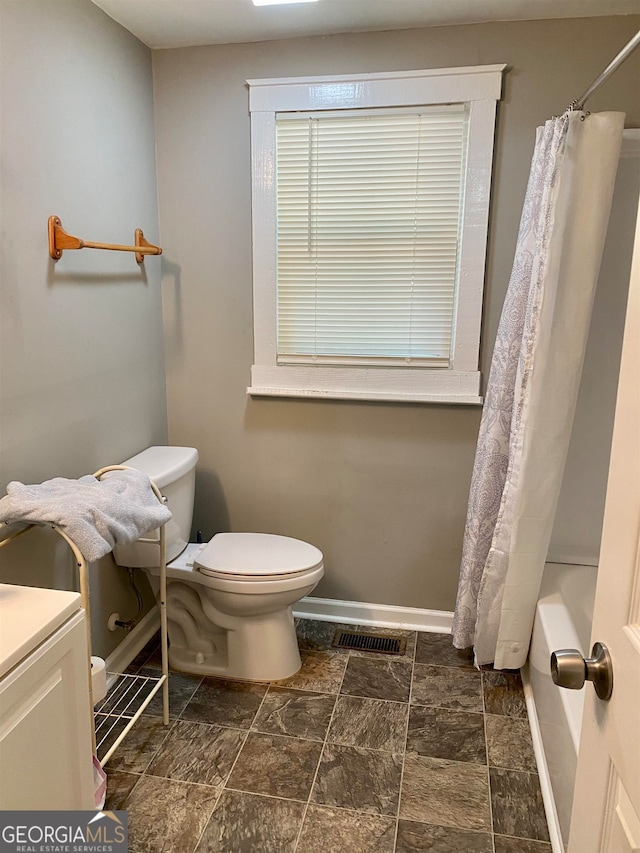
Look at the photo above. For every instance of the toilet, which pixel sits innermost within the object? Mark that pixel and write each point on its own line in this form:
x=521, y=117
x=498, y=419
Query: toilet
x=228, y=600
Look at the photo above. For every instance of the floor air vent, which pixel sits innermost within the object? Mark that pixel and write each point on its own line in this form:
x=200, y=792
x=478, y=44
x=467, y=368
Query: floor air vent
x=363, y=642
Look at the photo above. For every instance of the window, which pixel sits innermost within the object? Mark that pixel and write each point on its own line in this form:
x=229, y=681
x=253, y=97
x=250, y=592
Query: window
x=370, y=208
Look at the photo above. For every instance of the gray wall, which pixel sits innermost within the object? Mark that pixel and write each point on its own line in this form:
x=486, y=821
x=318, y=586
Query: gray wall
x=82, y=365
x=380, y=488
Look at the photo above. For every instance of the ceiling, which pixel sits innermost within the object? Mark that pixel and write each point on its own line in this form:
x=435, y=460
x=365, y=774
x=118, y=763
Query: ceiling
x=186, y=23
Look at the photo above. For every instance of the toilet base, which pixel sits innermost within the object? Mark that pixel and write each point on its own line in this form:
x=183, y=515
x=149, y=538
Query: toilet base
x=259, y=649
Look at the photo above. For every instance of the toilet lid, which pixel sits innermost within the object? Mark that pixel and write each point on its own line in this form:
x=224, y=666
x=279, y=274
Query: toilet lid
x=257, y=555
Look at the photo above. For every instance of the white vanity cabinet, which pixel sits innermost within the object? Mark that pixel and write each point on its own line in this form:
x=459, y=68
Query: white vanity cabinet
x=45, y=712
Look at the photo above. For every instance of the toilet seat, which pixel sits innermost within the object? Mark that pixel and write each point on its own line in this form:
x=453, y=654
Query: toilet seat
x=256, y=557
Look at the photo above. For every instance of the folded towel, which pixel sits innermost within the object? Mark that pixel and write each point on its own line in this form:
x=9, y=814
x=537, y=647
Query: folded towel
x=95, y=514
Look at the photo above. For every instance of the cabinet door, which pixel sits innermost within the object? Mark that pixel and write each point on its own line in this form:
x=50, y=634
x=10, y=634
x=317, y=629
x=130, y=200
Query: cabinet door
x=45, y=726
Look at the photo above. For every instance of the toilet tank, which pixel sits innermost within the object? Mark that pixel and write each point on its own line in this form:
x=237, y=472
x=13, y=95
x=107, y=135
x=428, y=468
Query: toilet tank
x=173, y=470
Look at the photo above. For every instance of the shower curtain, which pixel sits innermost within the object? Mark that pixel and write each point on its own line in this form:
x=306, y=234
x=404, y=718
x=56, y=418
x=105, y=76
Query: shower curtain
x=533, y=384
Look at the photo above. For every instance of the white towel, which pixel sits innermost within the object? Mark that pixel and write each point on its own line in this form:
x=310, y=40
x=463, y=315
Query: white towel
x=95, y=514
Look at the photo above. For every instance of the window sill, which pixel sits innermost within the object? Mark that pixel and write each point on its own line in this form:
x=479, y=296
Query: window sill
x=446, y=387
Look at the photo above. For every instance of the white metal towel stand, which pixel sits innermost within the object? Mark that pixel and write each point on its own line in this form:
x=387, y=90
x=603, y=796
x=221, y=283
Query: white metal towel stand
x=120, y=710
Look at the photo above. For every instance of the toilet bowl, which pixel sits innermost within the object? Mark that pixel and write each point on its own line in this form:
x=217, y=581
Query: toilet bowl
x=228, y=600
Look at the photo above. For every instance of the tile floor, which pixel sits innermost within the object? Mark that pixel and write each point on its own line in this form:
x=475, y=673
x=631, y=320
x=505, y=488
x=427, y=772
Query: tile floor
x=357, y=753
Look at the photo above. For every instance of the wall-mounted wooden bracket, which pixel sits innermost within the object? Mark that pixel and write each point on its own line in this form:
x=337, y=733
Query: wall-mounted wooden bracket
x=59, y=240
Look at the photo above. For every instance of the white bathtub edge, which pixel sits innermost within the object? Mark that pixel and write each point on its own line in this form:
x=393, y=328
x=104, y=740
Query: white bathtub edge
x=555, y=834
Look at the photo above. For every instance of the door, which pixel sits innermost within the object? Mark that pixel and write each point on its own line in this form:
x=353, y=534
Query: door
x=45, y=727
x=606, y=807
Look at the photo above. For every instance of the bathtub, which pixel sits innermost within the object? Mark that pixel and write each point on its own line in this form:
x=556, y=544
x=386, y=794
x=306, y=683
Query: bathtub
x=563, y=621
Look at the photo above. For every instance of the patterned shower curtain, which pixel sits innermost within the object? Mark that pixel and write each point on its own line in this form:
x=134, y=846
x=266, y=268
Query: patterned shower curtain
x=533, y=384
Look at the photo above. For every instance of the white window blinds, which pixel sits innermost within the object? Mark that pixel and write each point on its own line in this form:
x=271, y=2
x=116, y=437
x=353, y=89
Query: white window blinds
x=368, y=218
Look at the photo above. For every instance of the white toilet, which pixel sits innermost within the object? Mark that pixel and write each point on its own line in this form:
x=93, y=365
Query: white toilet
x=229, y=600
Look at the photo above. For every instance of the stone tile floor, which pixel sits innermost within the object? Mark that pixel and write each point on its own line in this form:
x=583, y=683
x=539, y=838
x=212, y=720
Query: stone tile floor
x=356, y=753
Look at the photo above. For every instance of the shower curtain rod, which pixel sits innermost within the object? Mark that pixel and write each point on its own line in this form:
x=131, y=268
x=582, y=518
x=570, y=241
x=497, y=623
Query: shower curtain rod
x=615, y=63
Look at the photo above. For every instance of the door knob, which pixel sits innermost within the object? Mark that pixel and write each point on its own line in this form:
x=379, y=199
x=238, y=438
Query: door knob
x=569, y=669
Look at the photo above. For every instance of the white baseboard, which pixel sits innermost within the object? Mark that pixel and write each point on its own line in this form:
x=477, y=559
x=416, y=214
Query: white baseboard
x=383, y=615
x=135, y=641
x=543, y=771
x=322, y=609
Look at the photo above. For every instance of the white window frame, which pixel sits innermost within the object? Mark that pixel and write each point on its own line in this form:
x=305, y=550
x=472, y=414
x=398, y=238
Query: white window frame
x=480, y=88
